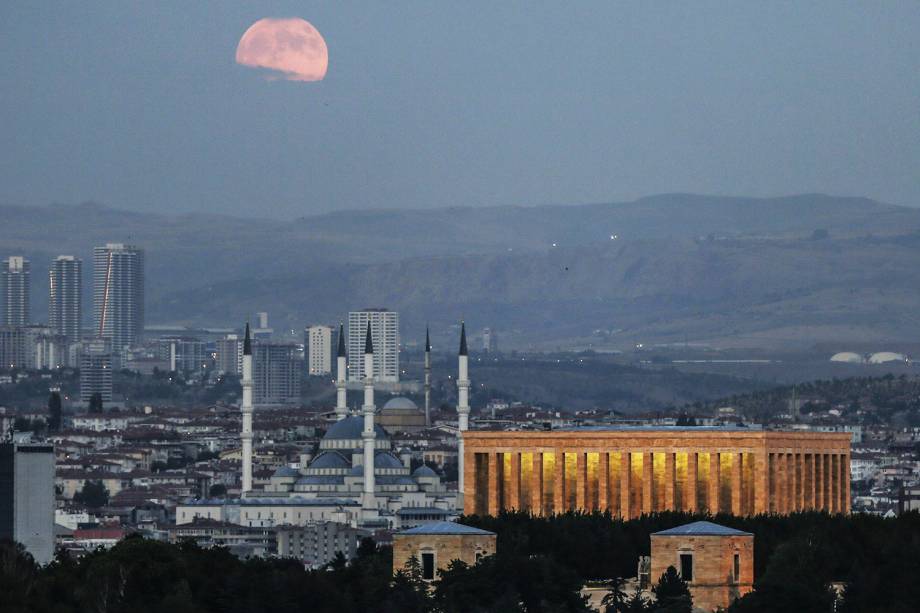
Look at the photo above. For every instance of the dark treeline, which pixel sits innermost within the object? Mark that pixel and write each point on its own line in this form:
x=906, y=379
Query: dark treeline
x=796, y=557
x=540, y=566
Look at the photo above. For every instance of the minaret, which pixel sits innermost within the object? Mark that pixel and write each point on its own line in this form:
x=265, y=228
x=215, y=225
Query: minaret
x=368, y=434
x=427, y=378
x=463, y=409
x=341, y=409
x=246, y=410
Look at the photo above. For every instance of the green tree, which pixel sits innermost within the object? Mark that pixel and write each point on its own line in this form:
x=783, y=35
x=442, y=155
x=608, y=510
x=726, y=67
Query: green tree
x=615, y=600
x=671, y=594
x=217, y=490
x=93, y=494
x=54, y=412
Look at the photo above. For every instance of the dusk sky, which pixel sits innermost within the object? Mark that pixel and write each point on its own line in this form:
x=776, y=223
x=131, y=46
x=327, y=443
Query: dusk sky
x=142, y=105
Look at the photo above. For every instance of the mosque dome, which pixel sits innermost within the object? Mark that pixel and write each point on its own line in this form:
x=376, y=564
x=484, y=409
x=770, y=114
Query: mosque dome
x=286, y=471
x=424, y=472
x=400, y=403
x=350, y=428
x=387, y=460
x=330, y=459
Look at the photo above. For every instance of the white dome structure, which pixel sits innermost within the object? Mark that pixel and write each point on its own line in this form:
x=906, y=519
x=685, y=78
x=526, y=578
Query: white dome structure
x=848, y=357
x=883, y=357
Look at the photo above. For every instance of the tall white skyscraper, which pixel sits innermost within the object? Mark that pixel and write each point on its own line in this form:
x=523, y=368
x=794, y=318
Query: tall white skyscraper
x=385, y=334
x=16, y=276
x=318, y=347
x=118, y=294
x=65, y=292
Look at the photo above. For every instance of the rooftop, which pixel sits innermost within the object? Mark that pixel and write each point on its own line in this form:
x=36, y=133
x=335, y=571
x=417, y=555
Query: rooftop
x=702, y=528
x=445, y=527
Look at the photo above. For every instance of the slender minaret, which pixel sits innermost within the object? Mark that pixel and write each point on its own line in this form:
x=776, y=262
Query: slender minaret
x=246, y=410
x=463, y=409
x=368, y=434
x=341, y=374
x=427, y=378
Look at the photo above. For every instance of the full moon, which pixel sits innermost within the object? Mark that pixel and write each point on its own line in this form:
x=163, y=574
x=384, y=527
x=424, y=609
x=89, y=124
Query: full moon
x=291, y=47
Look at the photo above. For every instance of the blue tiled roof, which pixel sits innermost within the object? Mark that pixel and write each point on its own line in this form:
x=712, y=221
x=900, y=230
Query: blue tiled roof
x=702, y=528
x=350, y=428
x=422, y=511
x=424, y=471
x=444, y=527
x=286, y=471
x=329, y=459
x=387, y=460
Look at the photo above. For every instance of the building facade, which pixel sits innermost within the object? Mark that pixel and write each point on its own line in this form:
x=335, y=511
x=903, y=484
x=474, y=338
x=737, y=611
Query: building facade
x=318, y=344
x=184, y=354
x=15, y=283
x=65, y=291
x=230, y=354
x=277, y=373
x=437, y=544
x=118, y=294
x=96, y=365
x=717, y=562
x=631, y=471
x=319, y=543
x=27, y=497
x=385, y=335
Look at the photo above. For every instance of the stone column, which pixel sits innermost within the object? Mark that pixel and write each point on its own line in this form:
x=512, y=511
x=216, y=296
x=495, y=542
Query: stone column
x=493, y=483
x=690, y=490
x=536, y=484
x=835, y=483
x=625, y=484
x=800, y=472
x=669, y=481
x=818, y=459
x=845, y=480
x=581, y=481
x=603, y=481
x=761, y=482
x=647, y=482
x=514, y=495
x=558, y=483
x=828, y=483
x=472, y=487
x=808, y=481
x=792, y=462
x=712, y=502
x=736, y=484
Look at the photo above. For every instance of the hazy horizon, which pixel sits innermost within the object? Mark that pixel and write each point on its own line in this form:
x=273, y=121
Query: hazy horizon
x=142, y=107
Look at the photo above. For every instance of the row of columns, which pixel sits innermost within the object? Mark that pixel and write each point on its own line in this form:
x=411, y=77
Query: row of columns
x=626, y=484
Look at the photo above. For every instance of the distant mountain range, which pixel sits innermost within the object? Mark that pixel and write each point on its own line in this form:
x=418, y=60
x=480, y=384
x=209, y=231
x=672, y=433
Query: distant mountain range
x=672, y=268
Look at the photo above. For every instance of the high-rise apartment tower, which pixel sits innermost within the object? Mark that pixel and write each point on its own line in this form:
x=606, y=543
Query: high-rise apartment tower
x=118, y=294
x=15, y=275
x=385, y=335
x=65, y=291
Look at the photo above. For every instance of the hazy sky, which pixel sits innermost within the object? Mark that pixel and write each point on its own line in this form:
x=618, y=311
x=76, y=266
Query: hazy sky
x=141, y=105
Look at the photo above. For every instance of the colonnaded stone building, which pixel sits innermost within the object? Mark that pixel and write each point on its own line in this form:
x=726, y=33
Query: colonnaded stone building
x=634, y=470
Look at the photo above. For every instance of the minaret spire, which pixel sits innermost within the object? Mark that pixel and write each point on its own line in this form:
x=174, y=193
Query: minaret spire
x=463, y=409
x=246, y=410
x=427, y=377
x=341, y=373
x=368, y=435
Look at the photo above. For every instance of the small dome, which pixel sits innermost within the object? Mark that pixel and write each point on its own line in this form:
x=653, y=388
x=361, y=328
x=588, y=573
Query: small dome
x=286, y=471
x=356, y=471
x=387, y=460
x=886, y=356
x=350, y=428
x=848, y=357
x=329, y=459
x=424, y=472
x=400, y=402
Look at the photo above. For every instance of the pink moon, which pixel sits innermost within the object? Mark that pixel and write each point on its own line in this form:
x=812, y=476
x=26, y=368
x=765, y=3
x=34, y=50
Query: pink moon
x=291, y=47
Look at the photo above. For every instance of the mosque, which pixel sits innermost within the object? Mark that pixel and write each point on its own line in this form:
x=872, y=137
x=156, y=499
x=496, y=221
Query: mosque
x=356, y=477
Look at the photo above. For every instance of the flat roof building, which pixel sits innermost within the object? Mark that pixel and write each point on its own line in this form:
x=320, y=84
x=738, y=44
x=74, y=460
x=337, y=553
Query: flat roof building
x=632, y=471
x=437, y=544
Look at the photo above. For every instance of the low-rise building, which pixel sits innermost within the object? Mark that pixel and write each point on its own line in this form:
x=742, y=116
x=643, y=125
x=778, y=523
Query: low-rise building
x=435, y=545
